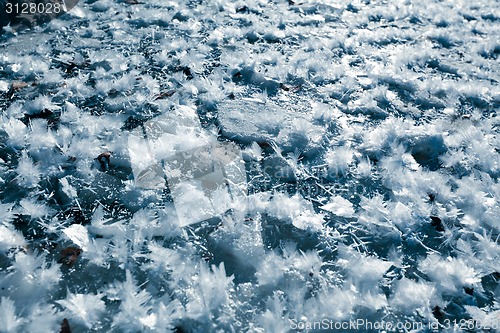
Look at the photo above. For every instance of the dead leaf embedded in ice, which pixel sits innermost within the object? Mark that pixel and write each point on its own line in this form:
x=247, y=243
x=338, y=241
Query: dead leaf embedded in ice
x=65, y=326
x=104, y=160
x=18, y=85
x=69, y=255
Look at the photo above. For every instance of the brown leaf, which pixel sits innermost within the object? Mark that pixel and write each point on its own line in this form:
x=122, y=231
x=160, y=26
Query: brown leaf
x=70, y=255
x=18, y=85
x=104, y=160
x=65, y=326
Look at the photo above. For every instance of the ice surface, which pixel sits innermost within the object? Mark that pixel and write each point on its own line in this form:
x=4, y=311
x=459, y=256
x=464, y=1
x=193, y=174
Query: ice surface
x=250, y=166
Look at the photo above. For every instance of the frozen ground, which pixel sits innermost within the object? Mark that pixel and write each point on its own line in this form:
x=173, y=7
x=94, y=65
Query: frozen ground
x=368, y=132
